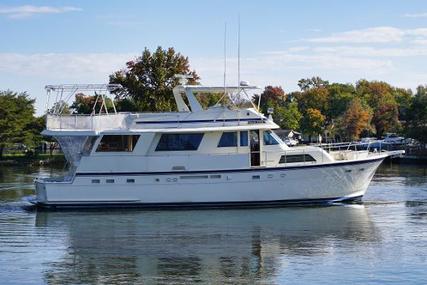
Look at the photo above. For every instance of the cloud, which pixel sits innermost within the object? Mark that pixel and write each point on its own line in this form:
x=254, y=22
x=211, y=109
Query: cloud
x=374, y=35
x=415, y=15
x=369, y=51
x=314, y=30
x=25, y=11
x=60, y=66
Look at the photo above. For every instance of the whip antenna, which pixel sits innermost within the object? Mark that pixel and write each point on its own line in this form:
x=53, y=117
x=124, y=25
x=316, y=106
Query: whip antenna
x=225, y=57
x=238, y=57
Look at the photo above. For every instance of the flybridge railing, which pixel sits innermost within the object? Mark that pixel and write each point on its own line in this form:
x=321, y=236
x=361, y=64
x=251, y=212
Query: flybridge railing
x=373, y=146
x=86, y=122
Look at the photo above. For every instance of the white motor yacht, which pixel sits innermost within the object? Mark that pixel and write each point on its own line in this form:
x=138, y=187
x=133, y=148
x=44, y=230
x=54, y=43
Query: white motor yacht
x=195, y=157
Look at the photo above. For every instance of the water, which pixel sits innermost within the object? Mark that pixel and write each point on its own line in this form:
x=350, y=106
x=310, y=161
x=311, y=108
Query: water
x=383, y=240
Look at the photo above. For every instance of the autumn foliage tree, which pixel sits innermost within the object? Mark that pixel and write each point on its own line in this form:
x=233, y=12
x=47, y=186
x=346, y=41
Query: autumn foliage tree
x=380, y=96
x=88, y=104
x=313, y=121
x=356, y=119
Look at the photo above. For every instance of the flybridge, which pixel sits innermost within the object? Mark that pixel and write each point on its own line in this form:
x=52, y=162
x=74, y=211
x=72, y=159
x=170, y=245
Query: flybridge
x=213, y=119
x=188, y=118
x=190, y=90
x=65, y=92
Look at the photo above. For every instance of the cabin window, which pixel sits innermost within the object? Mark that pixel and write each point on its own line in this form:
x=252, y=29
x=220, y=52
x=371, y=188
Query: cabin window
x=109, y=180
x=179, y=142
x=130, y=180
x=296, y=158
x=88, y=146
x=116, y=143
x=228, y=139
x=97, y=181
x=269, y=138
x=244, y=138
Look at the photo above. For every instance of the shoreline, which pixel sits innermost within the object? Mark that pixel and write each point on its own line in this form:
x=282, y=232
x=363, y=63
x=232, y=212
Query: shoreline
x=39, y=159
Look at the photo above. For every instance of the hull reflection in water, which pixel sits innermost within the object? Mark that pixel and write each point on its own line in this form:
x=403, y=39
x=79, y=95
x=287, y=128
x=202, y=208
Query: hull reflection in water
x=236, y=246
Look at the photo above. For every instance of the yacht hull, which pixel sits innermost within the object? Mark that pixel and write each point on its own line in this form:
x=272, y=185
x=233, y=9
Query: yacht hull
x=256, y=187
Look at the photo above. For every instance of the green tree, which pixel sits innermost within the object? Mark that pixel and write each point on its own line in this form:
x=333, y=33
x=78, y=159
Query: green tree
x=403, y=99
x=17, y=122
x=314, y=82
x=340, y=96
x=211, y=99
x=60, y=107
x=149, y=79
x=417, y=119
x=285, y=112
x=288, y=116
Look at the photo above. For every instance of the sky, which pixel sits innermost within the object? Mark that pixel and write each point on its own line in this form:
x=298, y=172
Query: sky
x=56, y=42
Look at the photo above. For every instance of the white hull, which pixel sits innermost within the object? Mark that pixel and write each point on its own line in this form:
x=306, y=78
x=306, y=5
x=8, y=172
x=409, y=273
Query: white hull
x=338, y=181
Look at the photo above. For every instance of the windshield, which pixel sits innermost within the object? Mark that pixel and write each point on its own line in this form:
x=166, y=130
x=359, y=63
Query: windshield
x=270, y=138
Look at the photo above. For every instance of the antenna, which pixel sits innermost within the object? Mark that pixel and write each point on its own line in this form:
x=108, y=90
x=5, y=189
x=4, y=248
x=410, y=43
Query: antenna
x=225, y=57
x=238, y=56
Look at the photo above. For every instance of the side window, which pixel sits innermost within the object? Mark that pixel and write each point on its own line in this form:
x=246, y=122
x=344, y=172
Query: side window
x=117, y=143
x=296, y=158
x=88, y=146
x=179, y=142
x=244, y=138
x=269, y=139
x=228, y=139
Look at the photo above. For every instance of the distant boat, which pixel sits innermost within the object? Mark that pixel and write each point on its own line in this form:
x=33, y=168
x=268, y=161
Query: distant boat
x=216, y=157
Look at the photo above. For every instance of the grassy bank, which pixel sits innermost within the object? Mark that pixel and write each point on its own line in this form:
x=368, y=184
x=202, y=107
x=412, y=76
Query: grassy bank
x=39, y=159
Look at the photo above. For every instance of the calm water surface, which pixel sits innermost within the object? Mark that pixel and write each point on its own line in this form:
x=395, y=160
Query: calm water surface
x=382, y=241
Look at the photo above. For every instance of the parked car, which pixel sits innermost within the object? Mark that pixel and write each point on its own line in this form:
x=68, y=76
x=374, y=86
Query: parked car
x=393, y=138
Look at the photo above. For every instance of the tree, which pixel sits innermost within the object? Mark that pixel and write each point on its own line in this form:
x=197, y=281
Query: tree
x=285, y=112
x=403, y=99
x=314, y=82
x=149, y=79
x=380, y=97
x=270, y=98
x=84, y=104
x=417, y=120
x=356, y=119
x=386, y=119
x=17, y=122
x=211, y=99
x=288, y=116
x=314, y=98
x=312, y=122
x=61, y=107
x=340, y=96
